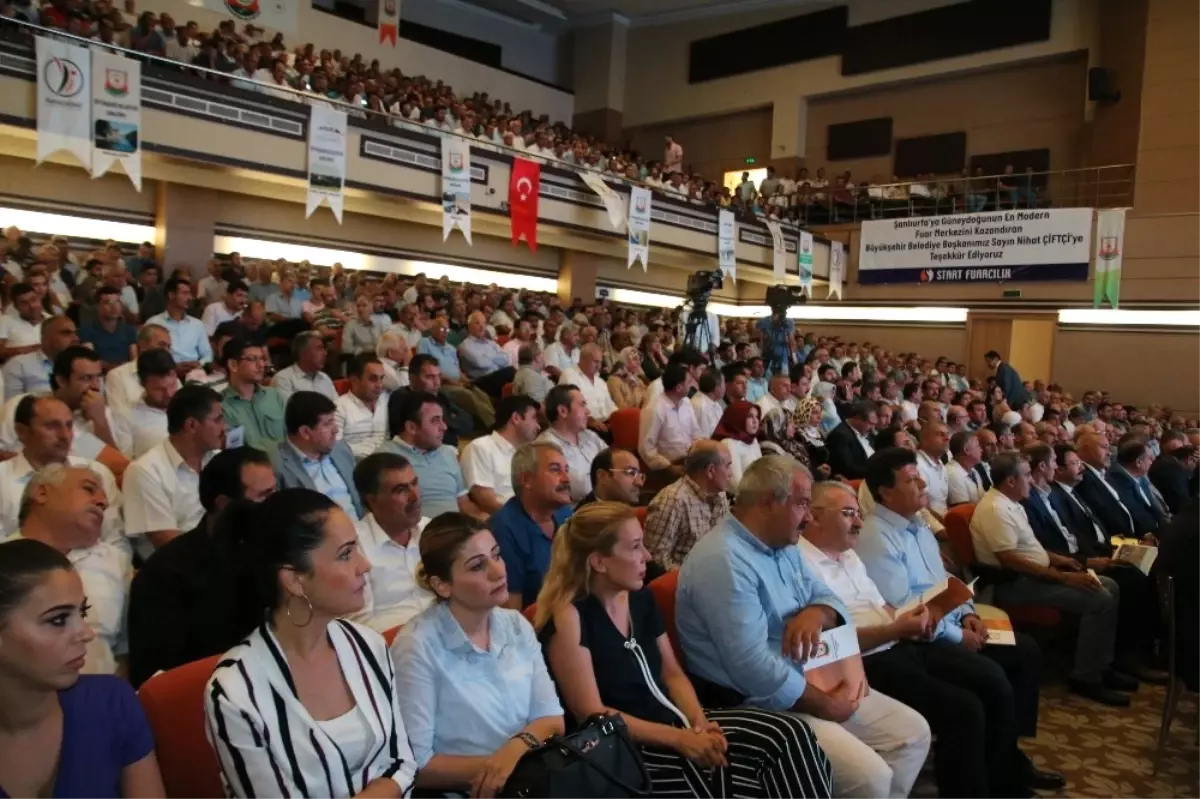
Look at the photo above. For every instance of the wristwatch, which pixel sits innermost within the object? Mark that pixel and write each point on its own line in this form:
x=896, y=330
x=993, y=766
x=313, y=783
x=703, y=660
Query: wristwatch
x=528, y=739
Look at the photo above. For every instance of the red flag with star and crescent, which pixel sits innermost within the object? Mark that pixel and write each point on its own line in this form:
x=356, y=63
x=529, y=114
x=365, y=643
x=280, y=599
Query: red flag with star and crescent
x=523, y=200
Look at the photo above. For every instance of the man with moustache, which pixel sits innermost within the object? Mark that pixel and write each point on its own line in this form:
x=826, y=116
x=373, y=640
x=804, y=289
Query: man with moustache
x=526, y=524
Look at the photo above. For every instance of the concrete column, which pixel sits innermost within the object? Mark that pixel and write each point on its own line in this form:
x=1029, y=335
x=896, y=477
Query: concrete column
x=185, y=222
x=789, y=130
x=599, y=71
x=576, y=277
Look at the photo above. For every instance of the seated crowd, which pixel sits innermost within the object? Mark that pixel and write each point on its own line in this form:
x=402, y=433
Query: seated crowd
x=201, y=485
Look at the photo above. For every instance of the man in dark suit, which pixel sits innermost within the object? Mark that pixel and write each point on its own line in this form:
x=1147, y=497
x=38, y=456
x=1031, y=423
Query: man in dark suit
x=1172, y=470
x=1063, y=525
x=1179, y=555
x=1008, y=380
x=1094, y=490
x=849, y=443
x=311, y=456
x=1128, y=478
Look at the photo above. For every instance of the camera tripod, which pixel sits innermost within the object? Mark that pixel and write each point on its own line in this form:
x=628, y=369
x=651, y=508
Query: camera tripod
x=696, y=333
x=776, y=348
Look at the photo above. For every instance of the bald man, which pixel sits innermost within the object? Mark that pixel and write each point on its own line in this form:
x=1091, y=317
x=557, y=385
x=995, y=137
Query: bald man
x=482, y=360
x=586, y=377
x=1100, y=497
x=691, y=506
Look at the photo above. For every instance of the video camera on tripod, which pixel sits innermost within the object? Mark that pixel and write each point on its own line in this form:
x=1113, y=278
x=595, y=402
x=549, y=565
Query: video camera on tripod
x=780, y=298
x=701, y=284
x=697, y=333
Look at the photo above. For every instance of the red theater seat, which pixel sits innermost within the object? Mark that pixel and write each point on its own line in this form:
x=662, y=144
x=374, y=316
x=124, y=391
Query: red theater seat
x=174, y=705
x=624, y=427
x=663, y=589
x=342, y=386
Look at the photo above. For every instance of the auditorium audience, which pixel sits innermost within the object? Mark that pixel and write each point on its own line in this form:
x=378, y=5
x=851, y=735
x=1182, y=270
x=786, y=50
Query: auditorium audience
x=1129, y=477
x=963, y=482
x=471, y=682
x=122, y=387
x=162, y=487
x=737, y=430
x=417, y=427
x=110, y=335
x=525, y=525
x=616, y=477
x=306, y=373
x=608, y=650
x=146, y=422
x=1003, y=538
x=626, y=384
x=707, y=402
x=487, y=460
x=749, y=612
x=182, y=603
x=302, y=573
x=389, y=535
x=849, y=444
x=31, y=373
x=586, y=377
x=531, y=380
x=1171, y=471
x=312, y=457
x=462, y=393
x=483, y=362
x=253, y=412
x=189, y=338
x=79, y=735
x=932, y=442
x=566, y=411
x=425, y=376
x=361, y=413
x=686, y=510
x=668, y=424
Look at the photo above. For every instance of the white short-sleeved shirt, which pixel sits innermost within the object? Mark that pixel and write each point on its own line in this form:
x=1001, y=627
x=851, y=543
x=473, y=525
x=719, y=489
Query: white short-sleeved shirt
x=215, y=314
x=15, y=474
x=964, y=484
x=847, y=577
x=708, y=413
x=557, y=356
x=290, y=380
x=487, y=463
x=393, y=596
x=19, y=333
x=361, y=428
x=147, y=428
x=161, y=493
x=1000, y=525
x=595, y=391
x=937, y=486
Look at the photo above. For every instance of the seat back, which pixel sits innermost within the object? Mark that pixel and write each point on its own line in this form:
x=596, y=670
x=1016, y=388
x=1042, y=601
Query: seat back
x=342, y=386
x=640, y=512
x=663, y=589
x=958, y=531
x=623, y=424
x=174, y=705
x=530, y=612
x=506, y=390
x=390, y=635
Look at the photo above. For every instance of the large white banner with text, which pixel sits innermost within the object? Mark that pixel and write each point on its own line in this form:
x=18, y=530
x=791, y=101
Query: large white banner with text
x=456, y=186
x=116, y=115
x=64, y=112
x=1035, y=244
x=326, y=159
x=727, y=243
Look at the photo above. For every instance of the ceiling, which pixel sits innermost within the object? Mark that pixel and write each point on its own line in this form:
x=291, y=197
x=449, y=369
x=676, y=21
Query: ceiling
x=638, y=12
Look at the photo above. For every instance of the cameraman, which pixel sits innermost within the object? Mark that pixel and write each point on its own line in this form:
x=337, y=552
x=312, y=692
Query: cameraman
x=777, y=349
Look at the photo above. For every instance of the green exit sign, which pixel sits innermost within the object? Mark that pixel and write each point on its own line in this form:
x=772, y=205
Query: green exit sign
x=1012, y=294
x=751, y=159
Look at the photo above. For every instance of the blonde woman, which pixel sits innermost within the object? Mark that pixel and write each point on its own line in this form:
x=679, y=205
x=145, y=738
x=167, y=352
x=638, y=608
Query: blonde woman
x=626, y=384
x=607, y=649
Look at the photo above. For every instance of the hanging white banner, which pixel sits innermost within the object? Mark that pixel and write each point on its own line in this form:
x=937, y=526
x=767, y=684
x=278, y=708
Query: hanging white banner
x=612, y=201
x=639, y=227
x=274, y=15
x=116, y=115
x=326, y=159
x=779, y=249
x=64, y=112
x=1110, y=238
x=456, y=186
x=837, y=268
x=805, y=249
x=389, y=21
x=726, y=243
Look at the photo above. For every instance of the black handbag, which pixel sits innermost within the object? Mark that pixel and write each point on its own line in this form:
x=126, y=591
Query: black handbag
x=597, y=761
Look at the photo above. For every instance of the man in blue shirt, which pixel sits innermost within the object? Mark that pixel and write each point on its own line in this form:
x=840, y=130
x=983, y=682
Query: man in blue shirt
x=417, y=426
x=749, y=612
x=903, y=559
x=110, y=335
x=488, y=366
x=189, y=340
x=525, y=526
x=312, y=457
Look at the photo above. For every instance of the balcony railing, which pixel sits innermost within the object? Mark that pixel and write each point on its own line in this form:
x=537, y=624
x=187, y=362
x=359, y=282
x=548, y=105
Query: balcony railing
x=1089, y=187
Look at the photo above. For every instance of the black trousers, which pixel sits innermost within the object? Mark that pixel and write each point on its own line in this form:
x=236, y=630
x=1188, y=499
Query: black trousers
x=493, y=382
x=971, y=707
x=1137, y=612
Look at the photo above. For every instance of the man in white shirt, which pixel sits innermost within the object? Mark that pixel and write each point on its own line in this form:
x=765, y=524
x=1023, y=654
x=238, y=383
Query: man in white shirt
x=778, y=396
x=1002, y=537
x=963, y=482
x=361, y=415
x=146, y=423
x=407, y=326
x=122, y=388
x=672, y=156
x=586, y=377
x=390, y=536
x=568, y=414
x=229, y=307
x=707, y=402
x=64, y=508
x=933, y=440
x=306, y=373
x=562, y=354
x=523, y=334
x=162, y=488
x=668, y=425
x=487, y=461
x=21, y=324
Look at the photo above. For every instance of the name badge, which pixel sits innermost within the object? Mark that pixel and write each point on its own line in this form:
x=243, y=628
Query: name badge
x=235, y=437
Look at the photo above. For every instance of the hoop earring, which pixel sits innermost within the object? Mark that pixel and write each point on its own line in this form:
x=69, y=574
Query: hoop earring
x=288, y=612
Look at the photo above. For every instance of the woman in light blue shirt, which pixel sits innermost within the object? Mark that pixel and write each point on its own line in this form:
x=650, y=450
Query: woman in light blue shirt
x=473, y=687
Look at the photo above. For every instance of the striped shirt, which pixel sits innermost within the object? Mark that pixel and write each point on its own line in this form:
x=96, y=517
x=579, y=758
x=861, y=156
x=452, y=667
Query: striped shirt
x=268, y=744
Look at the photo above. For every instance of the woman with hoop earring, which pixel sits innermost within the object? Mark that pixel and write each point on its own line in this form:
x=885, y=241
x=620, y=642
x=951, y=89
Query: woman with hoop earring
x=307, y=704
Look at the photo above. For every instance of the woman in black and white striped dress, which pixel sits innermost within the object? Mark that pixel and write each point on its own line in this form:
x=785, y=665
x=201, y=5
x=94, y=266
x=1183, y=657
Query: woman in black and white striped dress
x=307, y=704
x=608, y=652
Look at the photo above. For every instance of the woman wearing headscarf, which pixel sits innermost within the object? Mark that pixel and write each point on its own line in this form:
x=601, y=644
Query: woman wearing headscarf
x=738, y=428
x=823, y=392
x=625, y=383
x=807, y=420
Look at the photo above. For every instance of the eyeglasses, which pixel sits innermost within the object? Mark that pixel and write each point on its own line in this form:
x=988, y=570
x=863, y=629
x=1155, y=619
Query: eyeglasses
x=845, y=513
x=628, y=471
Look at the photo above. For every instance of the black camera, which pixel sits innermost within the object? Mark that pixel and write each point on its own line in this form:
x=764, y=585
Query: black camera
x=780, y=298
x=701, y=284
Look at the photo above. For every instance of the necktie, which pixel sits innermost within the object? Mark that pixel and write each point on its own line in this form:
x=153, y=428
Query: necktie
x=983, y=476
x=1088, y=513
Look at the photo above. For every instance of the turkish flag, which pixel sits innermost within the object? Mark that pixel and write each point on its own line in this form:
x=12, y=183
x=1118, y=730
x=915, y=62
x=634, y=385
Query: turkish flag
x=523, y=188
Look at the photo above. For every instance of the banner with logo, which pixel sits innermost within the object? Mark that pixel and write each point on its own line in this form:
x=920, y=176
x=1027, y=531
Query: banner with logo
x=779, y=250
x=274, y=15
x=523, y=187
x=1110, y=244
x=326, y=159
x=389, y=21
x=456, y=186
x=837, y=269
x=805, y=249
x=727, y=243
x=639, y=227
x=116, y=115
x=1032, y=244
x=612, y=201
x=64, y=111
